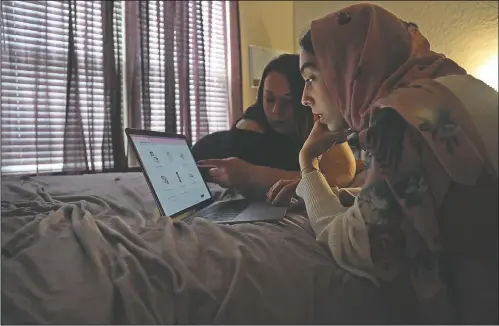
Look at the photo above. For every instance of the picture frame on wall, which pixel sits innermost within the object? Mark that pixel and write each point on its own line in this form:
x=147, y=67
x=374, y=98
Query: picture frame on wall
x=259, y=57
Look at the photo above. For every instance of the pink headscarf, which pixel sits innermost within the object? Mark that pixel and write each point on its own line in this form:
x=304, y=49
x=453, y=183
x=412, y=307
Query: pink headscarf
x=380, y=73
x=365, y=52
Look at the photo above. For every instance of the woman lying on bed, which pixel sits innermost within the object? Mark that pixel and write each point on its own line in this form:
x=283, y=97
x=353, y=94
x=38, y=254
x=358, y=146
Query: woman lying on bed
x=263, y=145
x=428, y=209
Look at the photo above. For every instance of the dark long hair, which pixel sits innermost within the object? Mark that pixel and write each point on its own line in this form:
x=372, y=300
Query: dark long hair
x=287, y=65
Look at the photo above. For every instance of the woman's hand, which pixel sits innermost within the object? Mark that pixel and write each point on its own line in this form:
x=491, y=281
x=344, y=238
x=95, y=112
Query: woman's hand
x=321, y=140
x=282, y=191
x=229, y=172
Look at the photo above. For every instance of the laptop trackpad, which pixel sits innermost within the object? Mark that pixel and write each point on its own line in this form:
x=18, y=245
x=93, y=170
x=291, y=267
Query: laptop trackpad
x=261, y=211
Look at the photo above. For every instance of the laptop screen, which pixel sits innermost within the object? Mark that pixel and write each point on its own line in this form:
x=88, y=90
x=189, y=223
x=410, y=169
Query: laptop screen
x=172, y=171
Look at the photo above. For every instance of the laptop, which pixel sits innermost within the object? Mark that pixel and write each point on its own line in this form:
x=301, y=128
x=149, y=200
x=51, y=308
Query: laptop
x=178, y=187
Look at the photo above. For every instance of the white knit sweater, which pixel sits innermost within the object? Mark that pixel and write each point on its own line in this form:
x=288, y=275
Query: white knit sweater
x=339, y=228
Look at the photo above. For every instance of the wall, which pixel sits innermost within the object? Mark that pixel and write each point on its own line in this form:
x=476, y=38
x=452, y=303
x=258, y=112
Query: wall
x=465, y=31
x=268, y=24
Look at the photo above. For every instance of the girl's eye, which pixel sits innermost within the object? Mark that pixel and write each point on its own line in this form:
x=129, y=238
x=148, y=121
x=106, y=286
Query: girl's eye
x=270, y=100
x=308, y=81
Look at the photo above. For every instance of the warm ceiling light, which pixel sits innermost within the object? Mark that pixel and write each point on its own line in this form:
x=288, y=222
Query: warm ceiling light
x=487, y=72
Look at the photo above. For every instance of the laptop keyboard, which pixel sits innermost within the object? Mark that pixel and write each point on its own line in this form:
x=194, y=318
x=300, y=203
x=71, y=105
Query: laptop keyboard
x=221, y=211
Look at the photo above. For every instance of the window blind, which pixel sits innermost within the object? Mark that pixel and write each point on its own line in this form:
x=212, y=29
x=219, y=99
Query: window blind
x=34, y=94
x=46, y=125
x=206, y=23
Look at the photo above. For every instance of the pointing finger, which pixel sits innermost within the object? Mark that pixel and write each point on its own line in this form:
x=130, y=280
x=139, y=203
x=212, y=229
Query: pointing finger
x=214, y=163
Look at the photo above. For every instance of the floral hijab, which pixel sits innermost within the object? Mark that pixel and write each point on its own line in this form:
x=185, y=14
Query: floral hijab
x=380, y=72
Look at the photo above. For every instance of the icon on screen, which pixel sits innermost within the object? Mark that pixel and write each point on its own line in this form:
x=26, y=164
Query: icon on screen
x=165, y=180
x=178, y=176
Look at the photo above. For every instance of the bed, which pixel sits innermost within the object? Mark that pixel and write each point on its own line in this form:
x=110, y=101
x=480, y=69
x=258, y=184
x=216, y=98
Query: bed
x=92, y=249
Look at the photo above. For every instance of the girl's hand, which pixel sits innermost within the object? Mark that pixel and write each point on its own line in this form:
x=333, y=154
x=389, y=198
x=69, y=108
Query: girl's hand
x=229, y=172
x=321, y=140
x=282, y=191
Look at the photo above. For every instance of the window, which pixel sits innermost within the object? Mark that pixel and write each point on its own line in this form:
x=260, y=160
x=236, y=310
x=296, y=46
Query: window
x=201, y=30
x=38, y=133
x=52, y=125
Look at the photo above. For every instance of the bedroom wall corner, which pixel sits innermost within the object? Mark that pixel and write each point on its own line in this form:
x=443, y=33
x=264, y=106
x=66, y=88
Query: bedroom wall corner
x=268, y=24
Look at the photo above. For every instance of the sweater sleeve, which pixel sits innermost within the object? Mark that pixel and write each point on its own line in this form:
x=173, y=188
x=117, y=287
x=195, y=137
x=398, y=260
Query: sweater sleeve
x=341, y=230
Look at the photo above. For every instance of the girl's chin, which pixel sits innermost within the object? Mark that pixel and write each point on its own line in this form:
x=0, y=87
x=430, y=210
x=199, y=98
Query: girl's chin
x=333, y=127
x=337, y=127
x=281, y=129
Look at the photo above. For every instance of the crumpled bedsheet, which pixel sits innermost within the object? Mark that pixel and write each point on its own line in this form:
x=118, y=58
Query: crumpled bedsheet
x=93, y=249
